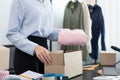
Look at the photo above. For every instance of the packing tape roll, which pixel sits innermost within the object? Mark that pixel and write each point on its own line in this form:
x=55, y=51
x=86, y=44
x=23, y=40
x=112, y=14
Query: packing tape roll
x=4, y=74
x=49, y=78
x=53, y=75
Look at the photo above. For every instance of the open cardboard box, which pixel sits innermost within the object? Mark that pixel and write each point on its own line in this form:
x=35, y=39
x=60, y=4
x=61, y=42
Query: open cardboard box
x=69, y=64
x=4, y=57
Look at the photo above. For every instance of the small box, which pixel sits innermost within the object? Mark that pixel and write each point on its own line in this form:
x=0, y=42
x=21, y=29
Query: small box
x=107, y=58
x=4, y=58
x=69, y=64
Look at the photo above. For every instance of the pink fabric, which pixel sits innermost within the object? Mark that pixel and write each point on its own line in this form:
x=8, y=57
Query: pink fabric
x=72, y=37
x=4, y=74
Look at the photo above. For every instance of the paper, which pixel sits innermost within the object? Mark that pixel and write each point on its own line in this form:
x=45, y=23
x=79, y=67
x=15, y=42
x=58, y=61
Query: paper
x=15, y=77
x=31, y=74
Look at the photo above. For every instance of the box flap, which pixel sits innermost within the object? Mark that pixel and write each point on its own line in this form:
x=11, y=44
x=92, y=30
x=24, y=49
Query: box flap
x=74, y=70
x=72, y=58
x=57, y=57
x=3, y=48
x=4, y=57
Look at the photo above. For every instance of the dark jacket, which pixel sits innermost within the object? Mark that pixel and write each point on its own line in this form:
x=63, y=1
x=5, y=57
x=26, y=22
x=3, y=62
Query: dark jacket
x=97, y=29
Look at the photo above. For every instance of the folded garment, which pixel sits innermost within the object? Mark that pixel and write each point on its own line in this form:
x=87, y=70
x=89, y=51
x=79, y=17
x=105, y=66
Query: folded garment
x=72, y=37
x=3, y=74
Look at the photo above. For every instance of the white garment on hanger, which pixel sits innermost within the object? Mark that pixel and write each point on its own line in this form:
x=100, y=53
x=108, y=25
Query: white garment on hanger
x=87, y=24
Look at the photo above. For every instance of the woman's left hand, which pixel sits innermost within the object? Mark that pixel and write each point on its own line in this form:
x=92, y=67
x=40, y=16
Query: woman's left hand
x=43, y=54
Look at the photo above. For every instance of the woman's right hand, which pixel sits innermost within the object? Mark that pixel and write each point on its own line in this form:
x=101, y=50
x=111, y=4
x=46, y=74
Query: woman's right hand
x=43, y=54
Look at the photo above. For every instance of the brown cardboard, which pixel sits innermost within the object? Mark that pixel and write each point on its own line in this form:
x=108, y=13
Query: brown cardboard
x=4, y=58
x=90, y=67
x=107, y=58
x=69, y=64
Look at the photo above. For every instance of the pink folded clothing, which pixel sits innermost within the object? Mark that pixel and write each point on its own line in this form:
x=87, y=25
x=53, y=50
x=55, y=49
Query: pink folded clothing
x=72, y=37
x=3, y=74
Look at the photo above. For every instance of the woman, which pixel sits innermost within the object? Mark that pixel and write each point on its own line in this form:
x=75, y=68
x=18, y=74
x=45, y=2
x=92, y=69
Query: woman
x=30, y=25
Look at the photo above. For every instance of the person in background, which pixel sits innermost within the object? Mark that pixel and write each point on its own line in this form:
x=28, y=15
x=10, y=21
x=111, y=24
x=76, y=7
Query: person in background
x=30, y=25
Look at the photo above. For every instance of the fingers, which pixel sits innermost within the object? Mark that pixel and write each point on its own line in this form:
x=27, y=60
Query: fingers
x=40, y=57
x=46, y=57
x=43, y=55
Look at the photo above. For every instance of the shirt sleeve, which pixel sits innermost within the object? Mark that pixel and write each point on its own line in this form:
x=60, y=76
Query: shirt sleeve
x=15, y=23
x=54, y=35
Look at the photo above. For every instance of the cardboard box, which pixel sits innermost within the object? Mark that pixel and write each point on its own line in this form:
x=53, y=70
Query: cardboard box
x=107, y=58
x=4, y=58
x=69, y=64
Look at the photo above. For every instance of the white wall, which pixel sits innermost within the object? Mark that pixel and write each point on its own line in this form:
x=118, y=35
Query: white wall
x=111, y=14
x=4, y=16
x=58, y=8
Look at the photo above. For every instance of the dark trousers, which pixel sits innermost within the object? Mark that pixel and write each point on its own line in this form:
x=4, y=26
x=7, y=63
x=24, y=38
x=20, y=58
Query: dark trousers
x=24, y=61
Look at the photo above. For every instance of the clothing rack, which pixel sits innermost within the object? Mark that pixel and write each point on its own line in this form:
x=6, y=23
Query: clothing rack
x=50, y=43
x=95, y=1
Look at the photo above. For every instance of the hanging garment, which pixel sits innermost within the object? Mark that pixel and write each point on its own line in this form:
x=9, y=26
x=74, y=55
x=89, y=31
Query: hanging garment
x=97, y=29
x=87, y=24
x=73, y=16
x=74, y=19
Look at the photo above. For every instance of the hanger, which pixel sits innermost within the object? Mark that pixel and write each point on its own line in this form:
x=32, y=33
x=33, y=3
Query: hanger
x=73, y=0
x=90, y=2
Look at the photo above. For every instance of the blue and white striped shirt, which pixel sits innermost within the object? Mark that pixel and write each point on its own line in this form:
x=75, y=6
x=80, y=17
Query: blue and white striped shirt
x=30, y=17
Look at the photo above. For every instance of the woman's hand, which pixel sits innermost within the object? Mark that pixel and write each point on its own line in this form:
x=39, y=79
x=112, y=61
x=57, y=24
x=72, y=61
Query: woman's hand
x=43, y=54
